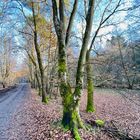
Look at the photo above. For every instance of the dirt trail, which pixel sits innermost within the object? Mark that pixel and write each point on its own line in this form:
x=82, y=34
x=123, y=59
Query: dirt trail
x=9, y=103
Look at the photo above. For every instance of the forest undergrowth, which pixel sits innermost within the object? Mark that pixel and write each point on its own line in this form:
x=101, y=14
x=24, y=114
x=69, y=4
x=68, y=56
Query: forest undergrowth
x=37, y=121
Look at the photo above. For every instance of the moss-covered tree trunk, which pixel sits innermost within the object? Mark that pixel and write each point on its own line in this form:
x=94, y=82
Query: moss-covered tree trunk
x=90, y=87
x=84, y=50
x=71, y=118
x=39, y=59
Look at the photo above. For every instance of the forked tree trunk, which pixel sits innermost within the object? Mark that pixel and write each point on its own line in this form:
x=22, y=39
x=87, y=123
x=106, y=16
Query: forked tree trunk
x=71, y=115
x=90, y=87
x=71, y=118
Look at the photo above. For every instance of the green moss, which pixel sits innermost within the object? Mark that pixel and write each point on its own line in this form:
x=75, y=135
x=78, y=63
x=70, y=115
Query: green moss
x=67, y=95
x=67, y=101
x=74, y=130
x=90, y=109
x=73, y=123
x=90, y=102
x=78, y=90
x=90, y=85
x=62, y=59
x=71, y=120
x=45, y=100
x=76, y=134
x=100, y=123
x=62, y=66
x=66, y=128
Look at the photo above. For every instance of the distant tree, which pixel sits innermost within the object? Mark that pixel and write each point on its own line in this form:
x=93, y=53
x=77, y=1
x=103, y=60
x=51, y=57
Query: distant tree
x=5, y=60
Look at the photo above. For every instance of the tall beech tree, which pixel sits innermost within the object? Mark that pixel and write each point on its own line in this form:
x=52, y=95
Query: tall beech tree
x=38, y=53
x=70, y=100
x=105, y=17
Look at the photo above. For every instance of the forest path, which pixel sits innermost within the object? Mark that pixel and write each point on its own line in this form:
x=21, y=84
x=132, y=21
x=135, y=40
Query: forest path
x=9, y=103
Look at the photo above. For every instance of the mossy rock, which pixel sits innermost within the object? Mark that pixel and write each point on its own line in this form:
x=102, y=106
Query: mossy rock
x=100, y=123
